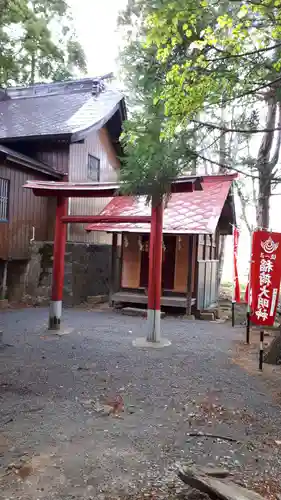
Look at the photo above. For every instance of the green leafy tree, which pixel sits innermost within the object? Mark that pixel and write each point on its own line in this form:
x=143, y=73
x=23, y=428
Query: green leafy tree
x=152, y=159
x=38, y=42
x=236, y=57
x=12, y=14
x=157, y=65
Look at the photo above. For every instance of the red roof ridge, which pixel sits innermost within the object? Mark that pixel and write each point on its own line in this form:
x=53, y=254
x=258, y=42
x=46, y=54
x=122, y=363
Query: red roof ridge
x=221, y=176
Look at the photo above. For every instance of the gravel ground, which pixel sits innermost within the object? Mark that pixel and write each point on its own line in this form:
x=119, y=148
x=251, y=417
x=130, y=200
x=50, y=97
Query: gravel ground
x=57, y=442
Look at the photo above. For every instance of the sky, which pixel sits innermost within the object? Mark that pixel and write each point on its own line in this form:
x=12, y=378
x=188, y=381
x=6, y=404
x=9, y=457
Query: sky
x=95, y=23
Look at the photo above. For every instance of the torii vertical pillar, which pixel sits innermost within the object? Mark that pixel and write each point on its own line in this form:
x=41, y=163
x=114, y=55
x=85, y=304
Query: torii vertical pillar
x=58, y=265
x=153, y=338
x=155, y=273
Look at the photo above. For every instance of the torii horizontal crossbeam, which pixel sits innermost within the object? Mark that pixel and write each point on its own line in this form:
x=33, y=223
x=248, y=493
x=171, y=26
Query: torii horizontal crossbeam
x=102, y=189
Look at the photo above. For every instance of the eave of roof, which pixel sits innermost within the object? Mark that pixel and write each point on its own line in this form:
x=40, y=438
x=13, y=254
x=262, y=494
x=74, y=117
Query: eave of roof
x=61, y=137
x=29, y=163
x=82, y=134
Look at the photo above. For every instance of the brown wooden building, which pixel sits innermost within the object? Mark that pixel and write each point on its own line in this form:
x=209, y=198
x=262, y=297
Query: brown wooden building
x=193, y=226
x=22, y=216
x=47, y=132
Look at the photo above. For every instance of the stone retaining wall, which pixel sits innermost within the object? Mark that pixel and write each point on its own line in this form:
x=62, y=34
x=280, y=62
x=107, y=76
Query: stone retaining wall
x=87, y=273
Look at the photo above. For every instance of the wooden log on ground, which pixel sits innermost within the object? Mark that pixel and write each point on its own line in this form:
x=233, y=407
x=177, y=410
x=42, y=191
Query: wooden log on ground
x=217, y=489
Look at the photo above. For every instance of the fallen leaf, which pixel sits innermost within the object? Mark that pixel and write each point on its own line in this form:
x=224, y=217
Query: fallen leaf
x=24, y=471
x=117, y=405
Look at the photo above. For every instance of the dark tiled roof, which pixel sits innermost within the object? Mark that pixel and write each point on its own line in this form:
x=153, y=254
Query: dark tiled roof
x=66, y=108
x=26, y=161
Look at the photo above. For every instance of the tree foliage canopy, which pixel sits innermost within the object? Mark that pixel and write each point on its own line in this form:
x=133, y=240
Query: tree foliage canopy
x=152, y=159
x=185, y=61
x=37, y=42
x=230, y=49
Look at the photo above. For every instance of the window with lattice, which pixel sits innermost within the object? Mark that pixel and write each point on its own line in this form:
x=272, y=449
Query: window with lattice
x=4, y=199
x=93, y=168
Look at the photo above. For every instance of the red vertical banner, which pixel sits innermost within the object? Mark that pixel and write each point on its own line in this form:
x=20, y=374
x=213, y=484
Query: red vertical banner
x=236, y=285
x=265, y=276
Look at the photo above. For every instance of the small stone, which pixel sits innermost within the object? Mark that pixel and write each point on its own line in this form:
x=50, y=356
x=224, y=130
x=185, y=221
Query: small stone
x=207, y=316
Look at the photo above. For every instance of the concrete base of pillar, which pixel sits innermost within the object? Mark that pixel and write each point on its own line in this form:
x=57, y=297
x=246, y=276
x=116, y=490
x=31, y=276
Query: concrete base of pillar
x=61, y=332
x=153, y=339
x=146, y=344
x=55, y=314
x=190, y=317
x=54, y=324
x=153, y=325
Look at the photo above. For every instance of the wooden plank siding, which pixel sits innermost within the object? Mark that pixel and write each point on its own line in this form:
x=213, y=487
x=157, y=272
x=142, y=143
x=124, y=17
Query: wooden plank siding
x=55, y=154
x=56, y=159
x=208, y=246
x=207, y=289
x=25, y=212
x=97, y=144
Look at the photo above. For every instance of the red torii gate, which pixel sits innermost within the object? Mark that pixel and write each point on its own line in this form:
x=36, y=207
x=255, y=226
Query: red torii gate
x=64, y=190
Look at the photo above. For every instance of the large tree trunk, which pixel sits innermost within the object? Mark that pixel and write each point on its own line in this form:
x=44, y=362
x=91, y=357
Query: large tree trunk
x=265, y=165
x=264, y=202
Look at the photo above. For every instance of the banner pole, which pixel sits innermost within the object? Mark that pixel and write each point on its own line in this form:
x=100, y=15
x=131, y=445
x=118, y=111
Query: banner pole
x=261, y=350
x=233, y=282
x=248, y=326
x=233, y=314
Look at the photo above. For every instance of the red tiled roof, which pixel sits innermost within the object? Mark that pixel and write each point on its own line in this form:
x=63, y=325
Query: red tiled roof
x=196, y=212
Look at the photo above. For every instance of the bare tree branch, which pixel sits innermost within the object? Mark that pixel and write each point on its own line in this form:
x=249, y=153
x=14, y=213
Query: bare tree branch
x=244, y=94
x=245, y=54
x=243, y=205
x=226, y=130
x=224, y=166
x=208, y=146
